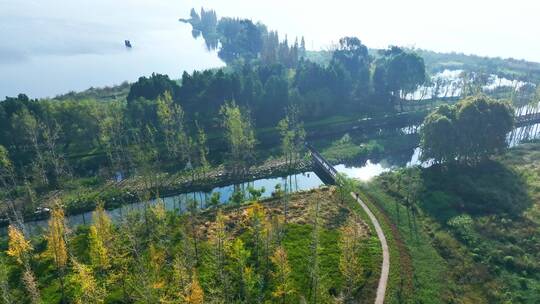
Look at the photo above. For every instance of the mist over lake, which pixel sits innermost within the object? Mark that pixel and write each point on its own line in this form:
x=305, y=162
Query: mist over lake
x=51, y=47
x=77, y=45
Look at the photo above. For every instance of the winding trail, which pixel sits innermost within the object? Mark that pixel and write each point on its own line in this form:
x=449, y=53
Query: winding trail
x=383, y=280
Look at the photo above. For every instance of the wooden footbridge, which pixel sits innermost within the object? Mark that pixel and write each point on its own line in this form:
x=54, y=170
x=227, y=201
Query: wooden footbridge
x=528, y=118
x=324, y=170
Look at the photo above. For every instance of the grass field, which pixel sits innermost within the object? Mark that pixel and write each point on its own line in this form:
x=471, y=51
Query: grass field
x=472, y=233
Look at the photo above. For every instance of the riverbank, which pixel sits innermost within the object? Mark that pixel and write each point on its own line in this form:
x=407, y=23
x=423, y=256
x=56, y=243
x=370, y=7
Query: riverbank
x=81, y=195
x=112, y=194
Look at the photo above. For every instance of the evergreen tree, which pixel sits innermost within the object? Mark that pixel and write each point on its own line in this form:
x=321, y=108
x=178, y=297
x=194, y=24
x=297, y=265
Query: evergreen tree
x=302, y=50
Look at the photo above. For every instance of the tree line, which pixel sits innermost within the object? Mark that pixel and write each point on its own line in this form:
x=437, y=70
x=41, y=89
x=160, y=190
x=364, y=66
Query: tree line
x=352, y=81
x=47, y=144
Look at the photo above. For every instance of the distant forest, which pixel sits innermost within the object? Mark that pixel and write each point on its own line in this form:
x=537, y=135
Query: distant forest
x=436, y=62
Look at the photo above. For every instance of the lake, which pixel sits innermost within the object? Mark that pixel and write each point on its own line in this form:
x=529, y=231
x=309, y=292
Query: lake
x=76, y=45
x=51, y=47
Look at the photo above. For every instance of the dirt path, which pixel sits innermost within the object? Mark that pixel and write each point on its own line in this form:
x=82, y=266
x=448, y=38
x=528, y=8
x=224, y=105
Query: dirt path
x=383, y=281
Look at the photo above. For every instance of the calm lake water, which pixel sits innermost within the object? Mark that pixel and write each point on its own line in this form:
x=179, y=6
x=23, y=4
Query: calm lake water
x=51, y=47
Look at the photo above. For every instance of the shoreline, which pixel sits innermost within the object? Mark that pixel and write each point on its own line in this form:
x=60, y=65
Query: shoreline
x=126, y=193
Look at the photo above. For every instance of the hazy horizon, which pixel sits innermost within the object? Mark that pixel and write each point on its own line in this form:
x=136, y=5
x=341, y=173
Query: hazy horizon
x=485, y=28
x=51, y=47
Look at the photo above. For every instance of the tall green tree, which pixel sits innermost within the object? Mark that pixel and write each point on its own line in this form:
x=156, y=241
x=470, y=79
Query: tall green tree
x=354, y=57
x=292, y=135
x=7, y=172
x=240, y=136
x=172, y=126
x=472, y=130
x=113, y=136
x=439, y=136
x=239, y=268
x=398, y=72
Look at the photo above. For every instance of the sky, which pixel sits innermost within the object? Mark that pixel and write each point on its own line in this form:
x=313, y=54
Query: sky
x=488, y=28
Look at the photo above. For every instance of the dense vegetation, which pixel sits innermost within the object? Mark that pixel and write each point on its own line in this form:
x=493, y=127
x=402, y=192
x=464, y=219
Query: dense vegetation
x=169, y=126
x=478, y=224
x=469, y=131
x=241, y=40
x=508, y=68
x=308, y=247
x=464, y=230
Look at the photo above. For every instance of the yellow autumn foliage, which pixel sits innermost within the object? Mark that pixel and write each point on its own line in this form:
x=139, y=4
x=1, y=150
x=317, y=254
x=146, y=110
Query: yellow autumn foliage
x=18, y=246
x=282, y=275
x=56, y=244
x=98, y=252
x=196, y=293
x=90, y=291
x=103, y=224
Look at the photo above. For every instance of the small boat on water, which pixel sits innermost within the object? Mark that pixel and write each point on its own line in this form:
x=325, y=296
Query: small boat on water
x=127, y=43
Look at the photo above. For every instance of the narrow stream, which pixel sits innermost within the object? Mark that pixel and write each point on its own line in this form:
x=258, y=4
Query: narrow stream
x=296, y=182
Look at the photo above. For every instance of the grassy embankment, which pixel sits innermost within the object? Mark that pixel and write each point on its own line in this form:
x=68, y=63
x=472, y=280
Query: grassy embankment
x=473, y=233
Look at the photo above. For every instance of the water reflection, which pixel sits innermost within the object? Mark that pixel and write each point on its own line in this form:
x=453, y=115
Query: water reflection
x=362, y=169
x=84, y=42
x=523, y=134
x=180, y=202
x=366, y=172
